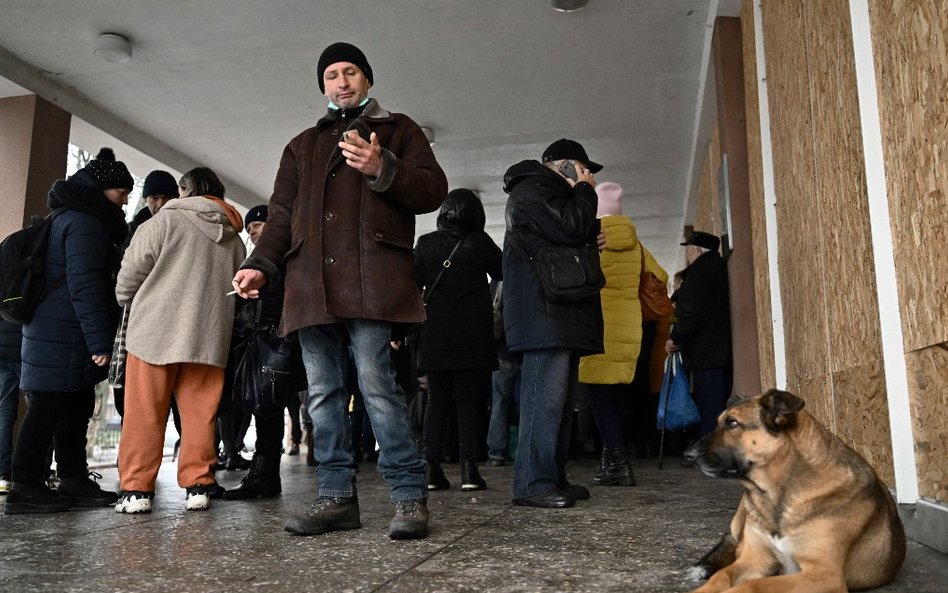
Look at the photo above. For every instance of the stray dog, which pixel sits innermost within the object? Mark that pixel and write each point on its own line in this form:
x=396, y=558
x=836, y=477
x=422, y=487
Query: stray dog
x=814, y=516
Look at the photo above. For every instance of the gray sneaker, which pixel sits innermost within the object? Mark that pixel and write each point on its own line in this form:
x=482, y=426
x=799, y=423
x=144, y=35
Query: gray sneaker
x=327, y=514
x=410, y=520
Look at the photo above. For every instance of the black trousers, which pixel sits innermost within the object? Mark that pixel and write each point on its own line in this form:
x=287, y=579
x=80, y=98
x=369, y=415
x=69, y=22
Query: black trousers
x=470, y=391
x=608, y=402
x=61, y=414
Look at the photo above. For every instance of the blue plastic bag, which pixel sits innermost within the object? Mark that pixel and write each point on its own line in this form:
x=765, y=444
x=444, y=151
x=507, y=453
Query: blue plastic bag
x=676, y=408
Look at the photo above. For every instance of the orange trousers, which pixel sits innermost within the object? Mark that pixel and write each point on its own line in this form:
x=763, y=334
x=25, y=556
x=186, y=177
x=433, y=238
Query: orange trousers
x=148, y=387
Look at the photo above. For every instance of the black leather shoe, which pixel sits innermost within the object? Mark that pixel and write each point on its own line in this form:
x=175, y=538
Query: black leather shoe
x=35, y=498
x=575, y=491
x=496, y=462
x=85, y=491
x=327, y=514
x=550, y=500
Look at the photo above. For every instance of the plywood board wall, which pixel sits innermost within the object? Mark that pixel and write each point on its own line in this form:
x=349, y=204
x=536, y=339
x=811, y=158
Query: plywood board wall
x=910, y=50
x=910, y=47
x=928, y=388
x=834, y=348
x=798, y=214
x=765, y=333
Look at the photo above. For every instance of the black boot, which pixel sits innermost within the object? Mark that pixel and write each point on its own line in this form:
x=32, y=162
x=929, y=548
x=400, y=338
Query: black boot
x=236, y=462
x=262, y=481
x=616, y=469
x=436, y=479
x=601, y=470
x=470, y=478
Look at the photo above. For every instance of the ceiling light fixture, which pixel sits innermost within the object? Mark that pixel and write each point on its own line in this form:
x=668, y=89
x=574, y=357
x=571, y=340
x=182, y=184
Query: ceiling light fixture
x=429, y=134
x=113, y=48
x=568, y=5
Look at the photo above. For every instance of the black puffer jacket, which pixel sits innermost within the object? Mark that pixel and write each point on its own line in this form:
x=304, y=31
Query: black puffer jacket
x=78, y=319
x=458, y=333
x=542, y=208
x=702, y=329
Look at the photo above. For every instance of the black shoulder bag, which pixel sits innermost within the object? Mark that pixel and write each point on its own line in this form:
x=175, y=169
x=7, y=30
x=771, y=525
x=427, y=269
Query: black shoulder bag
x=566, y=273
x=414, y=334
x=263, y=372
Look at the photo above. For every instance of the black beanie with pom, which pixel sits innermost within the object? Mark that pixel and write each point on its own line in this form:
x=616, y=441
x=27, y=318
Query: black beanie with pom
x=108, y=172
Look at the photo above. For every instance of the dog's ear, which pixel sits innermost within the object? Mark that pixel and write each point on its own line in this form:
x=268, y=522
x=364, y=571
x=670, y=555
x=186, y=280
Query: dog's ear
x=778, y=409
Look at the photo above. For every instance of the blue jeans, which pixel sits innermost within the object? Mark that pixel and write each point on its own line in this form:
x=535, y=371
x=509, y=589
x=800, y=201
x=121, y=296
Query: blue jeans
x=325, y=357
x=548, y=382
x=504, y=381
x=9, y=406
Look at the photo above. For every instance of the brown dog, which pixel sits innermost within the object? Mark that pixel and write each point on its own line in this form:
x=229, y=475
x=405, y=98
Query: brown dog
x=814, y=516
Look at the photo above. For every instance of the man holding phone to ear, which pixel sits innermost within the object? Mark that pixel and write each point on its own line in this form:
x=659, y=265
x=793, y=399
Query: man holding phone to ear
x=341, y=230
x=551, y=202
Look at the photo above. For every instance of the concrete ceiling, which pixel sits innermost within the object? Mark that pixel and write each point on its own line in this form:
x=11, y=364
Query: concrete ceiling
x=227, y=84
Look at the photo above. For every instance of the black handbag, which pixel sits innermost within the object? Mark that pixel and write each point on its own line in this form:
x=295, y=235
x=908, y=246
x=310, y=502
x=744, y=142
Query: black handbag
x=263, y=374
x=566, y=273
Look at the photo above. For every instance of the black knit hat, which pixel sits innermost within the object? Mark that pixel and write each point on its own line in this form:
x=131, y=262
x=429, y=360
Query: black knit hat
x=341, y=52
x=256, y=213
x=160, y=183
x=108, y=172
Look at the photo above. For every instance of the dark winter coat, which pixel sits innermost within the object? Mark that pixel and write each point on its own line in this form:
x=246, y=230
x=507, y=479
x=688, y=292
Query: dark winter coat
x=79, y=319
x=702, y=330
x=459, y=332
x=344, y=238
x=11, y=339
x=542, y=208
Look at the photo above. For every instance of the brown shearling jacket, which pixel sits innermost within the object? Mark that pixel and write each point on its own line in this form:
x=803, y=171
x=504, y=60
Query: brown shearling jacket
x=344, y=240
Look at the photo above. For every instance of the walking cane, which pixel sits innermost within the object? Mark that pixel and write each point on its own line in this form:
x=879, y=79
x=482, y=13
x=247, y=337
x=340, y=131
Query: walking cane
x=665, y=393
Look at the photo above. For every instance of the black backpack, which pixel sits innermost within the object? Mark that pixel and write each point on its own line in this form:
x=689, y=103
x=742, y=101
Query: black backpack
x=22, y=259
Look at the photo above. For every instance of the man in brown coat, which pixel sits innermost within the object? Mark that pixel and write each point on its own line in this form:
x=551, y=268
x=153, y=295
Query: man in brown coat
x=341, y=228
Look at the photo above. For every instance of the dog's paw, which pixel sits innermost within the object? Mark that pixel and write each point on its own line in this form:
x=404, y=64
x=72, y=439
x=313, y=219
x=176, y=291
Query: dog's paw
x=697, y=573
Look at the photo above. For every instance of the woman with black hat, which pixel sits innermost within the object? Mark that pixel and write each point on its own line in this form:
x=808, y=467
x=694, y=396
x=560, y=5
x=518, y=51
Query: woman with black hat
x=68, y=342
x=456, y=348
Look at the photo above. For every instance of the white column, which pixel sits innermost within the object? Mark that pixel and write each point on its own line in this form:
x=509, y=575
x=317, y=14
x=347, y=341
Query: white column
x=770, y=204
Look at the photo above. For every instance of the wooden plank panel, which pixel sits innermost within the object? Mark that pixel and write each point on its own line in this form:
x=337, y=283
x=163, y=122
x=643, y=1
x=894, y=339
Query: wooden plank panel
x=910, y=46
x=848, y=268
x=798, y=211
x=928, y=389
x=765, y=333
x=862, y=418
x=706, y=210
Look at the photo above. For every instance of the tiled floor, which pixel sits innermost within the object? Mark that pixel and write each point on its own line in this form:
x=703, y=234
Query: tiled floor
x=639, y=539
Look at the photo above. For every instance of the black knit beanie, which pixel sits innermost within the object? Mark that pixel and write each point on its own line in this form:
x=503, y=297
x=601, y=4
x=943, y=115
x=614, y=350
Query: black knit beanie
x=341, y=52
x=257, y=213
x=108, y=172
x=160, y=183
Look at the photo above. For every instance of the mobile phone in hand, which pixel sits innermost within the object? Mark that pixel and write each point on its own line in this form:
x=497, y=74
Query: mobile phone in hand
x=568, y=169
x=349, y=136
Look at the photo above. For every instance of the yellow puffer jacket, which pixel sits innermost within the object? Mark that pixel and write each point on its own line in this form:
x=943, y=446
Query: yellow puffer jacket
x=621, y=261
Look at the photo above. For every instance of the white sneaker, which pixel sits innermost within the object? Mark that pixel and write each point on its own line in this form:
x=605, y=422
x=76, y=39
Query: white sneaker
x=134, y=502
x=197, y=499
x=5, y=486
